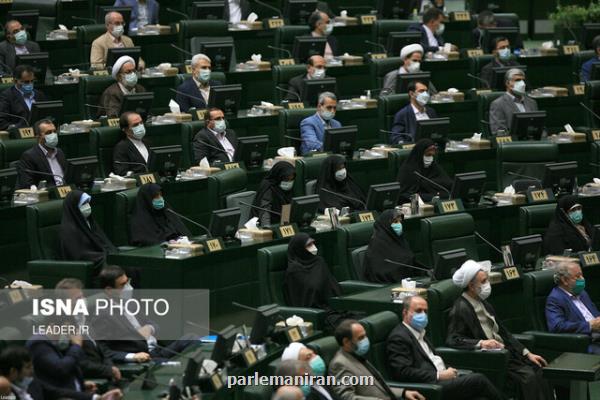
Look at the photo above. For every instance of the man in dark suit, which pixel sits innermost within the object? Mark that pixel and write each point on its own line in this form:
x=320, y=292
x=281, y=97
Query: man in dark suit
x=131, y=153
x=431, y=30
x=412, y=358
x=569, y=308
x=195, y=90
x=16, y=42
x=315, y=69
x=321, y=26
x=126, y=78
x=237, y=10
x=45, y=157
x=404, y=127
x=17, y=99
x=215, y=142
x=502, y=58
x=515, y=100
x=474, y=325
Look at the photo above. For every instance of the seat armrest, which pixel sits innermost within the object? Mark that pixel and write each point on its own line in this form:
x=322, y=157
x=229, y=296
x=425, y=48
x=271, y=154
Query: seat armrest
x=314, y=315
x=49, y=272
x=571, y=342
x=351, y=287
x=429, y=390
x=127, y=248
x=473, y=359
x=526, y=340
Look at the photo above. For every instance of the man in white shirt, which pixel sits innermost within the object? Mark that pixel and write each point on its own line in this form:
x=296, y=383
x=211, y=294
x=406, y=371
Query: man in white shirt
x=215, y=142
x=236, y=10
x=412, y=358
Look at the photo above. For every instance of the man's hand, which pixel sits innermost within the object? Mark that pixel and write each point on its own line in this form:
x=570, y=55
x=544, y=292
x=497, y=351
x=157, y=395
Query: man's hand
x=114, y=394
x=595, y=324
x=413, y=395
x=447, y=374
x=491, y=344
x=76, y=339
x=145, y=331
x=116, y=374
x=90, y=386
x=141, y=357
x=537, y=360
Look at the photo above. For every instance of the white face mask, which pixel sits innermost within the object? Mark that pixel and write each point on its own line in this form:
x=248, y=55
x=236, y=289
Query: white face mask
x=440, y=30
x=519, y=87
x=340, y=175
x=485, y=291
x=312, y=249
x=427, y=161
x=286, y=185
x=117, y=31
x=328, y=29
x=318, y=73
x=86, y=210
x=413, y=67
x=127, y=291
x=423, y=98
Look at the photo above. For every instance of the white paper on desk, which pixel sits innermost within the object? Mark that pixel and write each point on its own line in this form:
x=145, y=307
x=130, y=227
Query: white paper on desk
x=344, y=13
x=294, y=320
x=74, y=71
x=33, y=188
x=569, y=128
x=204, y=163
x=509, y=190
x=548, y=45
x=252, y=17
x=447, y=47
x=476, y=137
x=409, y=284
x=251, y=224
x=117, y=177
x=183, y=240
x=597, y=181
x=256, y=58
x=62, y=27
x=421, y=202
x=20, y=284
x=287, y=152
x=174, y=107
x=267, y=104
x=452, y=90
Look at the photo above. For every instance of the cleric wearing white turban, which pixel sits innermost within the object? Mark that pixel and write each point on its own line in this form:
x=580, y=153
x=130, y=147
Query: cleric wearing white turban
x=465, y=274
x=412, y=57
x=125, y=73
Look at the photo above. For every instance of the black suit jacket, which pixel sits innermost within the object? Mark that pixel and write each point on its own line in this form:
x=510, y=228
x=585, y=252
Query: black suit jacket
x=126, y=152
x=195, y=99
x=333, y=43
x=112, y=98
x=425, y=40
x=8, y=55
x=12, y=102
x=34, y=159
x=296, y=85
x=407, y=361
x=97, y=363
x=213, y=155
x=487, y=71
x=244, y=5
x=405, y=124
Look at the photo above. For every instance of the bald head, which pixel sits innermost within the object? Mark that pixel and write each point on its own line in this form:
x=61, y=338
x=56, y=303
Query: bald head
x=288, y=393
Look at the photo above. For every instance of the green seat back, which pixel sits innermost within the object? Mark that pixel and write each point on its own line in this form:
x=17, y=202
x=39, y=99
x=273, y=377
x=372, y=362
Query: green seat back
x=90, y=91
x=272, y=263
x=233, y=200
x=595, y=158
x=440, y=298
x=378, y=327
x=307, y=169
x=379, y=68
x=388, y=106
x=448, y=232
x=535, y=219
x=475, y=66
x=537, y=286
x=162, y=92
x=124, y=203
x=358, y=261
x=396, y=159
x=189, y=29
x=349, y=238
x=383, y=27
x=102, y=143
x=289, y=125
x=483, y=108
x=592, y=98
x=284, y=38
x=47, y=10
x=326, y=347
x=257, y=392
x=43, y=223
x=578, y=59
x=282, y=75
x=86, y=34
x=224, y=183
x=188, y=131
x=525, y=158
x=12, y=149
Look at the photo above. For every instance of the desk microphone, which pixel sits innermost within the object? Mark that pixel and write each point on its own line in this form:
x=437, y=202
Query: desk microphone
x=593, y=164
x=488, y=242
x=9, y=69
x=131, y=163
x=290, y=92
x=270, y=7
x=341, y=196
x=293, y=138
x=191, y=221
x=589, y=109
x=187, y=95
x=487, y=85
x=533, y=178
x=31, y=171
x=185, y=16
x=261, y=208
x=286, y=51
x=15, y=116
x=256, y=310
x=434, y=183
x=402, y=136
x=428, y=271
x=379, y=45
x=211, y=146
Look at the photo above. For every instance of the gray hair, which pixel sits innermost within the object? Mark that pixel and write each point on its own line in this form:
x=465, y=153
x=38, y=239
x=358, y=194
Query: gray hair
x=326, y=95
x=108, y=16
x=562, y=271
x=511, y=73
x=292, y=368
x=196, y=59
x=287, y=393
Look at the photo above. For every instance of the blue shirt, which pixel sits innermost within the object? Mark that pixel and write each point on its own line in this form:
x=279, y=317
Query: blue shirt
x=29, y=100
x=586, y=68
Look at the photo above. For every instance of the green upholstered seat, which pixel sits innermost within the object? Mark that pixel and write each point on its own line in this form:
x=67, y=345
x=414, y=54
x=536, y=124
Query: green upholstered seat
x=349, y=238
x=124, y=203
x=595, y=158
x=282, y=75
x=90, y=91
x=484, y=101
x=233, y=200
x=578, y=59
x=525, y=158
x=189, y=29
x=379, y=68
x=388, y=106
x=448, y=232
x=289, y=125
x=357, y=256
x=257, y=392
x=535, y=219
x=284, y=38
x=537, y=286
x=102, y=143
x=592, y=99
x=475, y=66
x=326, y=347
x=382, y=28
x=307, y=169
x=86, y=34
x=396, y=159
x=43, y=223
x=188, y=131
x=11, y=150
x=224, y=183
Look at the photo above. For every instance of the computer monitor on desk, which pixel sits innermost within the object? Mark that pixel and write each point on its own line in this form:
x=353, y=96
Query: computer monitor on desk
x=226, y=98
x=341, y=140
x=498, y=82
x=81, y=172
x=561, y=177
x=52, y=110
x=297, y=12
x=224, y=223
x=252, y=150
x=8, y=181
x=220, y=51
x=117, y=52
x=308, y=46
x=304, y=209
x=526, y=250
x=595, y=73
x=208, y=10
x=404, y=80
x=590, y=31
x=39, y=63
x=528, y=125
x=469, y=187
x=435, y=129
x=447, y=262
x=314, y=87
x=140, y=103
x=383, y=196
x=397, y=40
x=490, y=34
x=394, y=9
x=165, y=160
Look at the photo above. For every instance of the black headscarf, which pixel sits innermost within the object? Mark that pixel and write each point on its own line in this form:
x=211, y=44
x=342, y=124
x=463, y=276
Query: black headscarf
x=411, y=183
x=81, y=239
x=385, y=244
x=562, y=233
x=270, y=191
x=308, y=281
x=149, y=226
x=347, y=187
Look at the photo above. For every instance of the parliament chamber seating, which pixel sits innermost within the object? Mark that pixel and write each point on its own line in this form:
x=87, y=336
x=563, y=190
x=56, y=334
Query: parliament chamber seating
x=524, y=158
x=289, y=125
x=448, y=232
x=535, y=219
x=282, y=75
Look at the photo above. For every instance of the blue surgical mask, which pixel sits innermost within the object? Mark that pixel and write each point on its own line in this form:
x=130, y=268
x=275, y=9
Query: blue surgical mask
x=21, y=37
x=579, y=286
x=504, y=54
x=118, y=30
x=362, y=347
x=317, y=365
x=139, y=131
x=51, y=140
x=319, y=73
x=305, y=390
x=423, y=98
x=220, y=125
x=397, y=228
x=27, y=88
x=576, y=216
x=25, y=382
x=286, y=185
x=130, y=79
x=86, y=210
x=327, y=115
x=158, y=204
x=204, y=75
x=419, y=321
